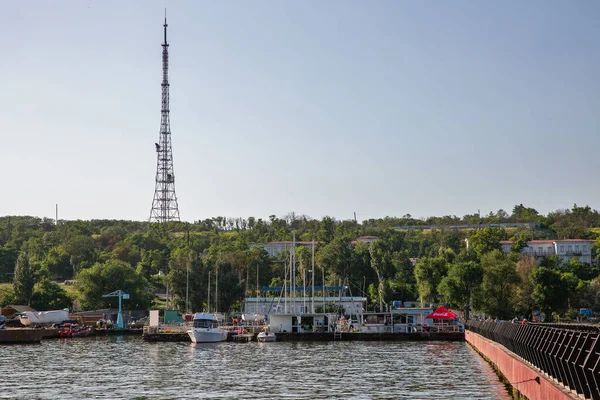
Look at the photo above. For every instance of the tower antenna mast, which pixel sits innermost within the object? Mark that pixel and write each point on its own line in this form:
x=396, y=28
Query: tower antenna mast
x=164, y=205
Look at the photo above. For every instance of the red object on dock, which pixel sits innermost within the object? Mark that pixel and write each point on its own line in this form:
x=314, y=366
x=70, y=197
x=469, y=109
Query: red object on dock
x=442, y=313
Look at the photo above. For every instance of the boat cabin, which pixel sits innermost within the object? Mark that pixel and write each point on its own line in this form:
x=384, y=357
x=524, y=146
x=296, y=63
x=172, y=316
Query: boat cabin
x=399, y=320
x=301, y=323
x=205, y=320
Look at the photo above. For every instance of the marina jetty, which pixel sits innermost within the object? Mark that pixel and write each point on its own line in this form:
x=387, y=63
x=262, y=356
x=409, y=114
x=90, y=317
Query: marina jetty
x=541, y=361
x=20, y=335
x=35, y=335
x=396, y=324
x=179, y=334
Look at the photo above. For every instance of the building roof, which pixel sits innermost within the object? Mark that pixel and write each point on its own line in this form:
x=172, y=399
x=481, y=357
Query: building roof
x=15, y=309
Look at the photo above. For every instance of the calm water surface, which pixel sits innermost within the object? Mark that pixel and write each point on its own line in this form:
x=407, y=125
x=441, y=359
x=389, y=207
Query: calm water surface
x=129, y=368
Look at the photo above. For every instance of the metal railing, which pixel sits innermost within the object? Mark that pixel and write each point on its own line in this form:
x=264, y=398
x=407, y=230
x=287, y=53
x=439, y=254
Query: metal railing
x=570, y=355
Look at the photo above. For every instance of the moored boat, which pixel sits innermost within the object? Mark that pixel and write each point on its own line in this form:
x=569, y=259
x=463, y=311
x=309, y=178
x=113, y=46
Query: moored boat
x=39, y=318
x=266, y=336
x=206, y=329
x=74, y=330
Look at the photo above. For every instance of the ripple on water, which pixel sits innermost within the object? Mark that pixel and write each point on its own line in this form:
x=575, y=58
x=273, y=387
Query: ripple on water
x=127, y=368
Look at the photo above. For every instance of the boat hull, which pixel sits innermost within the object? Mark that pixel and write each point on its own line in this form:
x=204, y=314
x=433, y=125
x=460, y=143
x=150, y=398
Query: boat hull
x=36, y=318
x=207, y=335
x=266, y=337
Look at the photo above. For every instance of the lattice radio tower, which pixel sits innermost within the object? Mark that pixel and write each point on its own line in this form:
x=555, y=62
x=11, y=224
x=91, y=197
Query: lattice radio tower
x=164, y=205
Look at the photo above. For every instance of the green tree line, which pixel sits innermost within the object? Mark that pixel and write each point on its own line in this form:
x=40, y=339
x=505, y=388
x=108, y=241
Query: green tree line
x=91, y=258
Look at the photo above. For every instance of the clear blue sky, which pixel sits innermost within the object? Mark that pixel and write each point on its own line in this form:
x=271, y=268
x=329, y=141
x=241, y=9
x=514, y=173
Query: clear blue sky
x=322, y=108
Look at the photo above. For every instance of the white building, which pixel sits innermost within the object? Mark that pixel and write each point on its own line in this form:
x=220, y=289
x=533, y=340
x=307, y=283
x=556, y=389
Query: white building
x=564, y=249
x=301, y=305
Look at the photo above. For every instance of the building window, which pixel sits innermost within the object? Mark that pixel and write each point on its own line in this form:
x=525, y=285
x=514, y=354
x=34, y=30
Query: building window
x=576, y=248
x=569, y=248
x=562, y=248
x=550, y=250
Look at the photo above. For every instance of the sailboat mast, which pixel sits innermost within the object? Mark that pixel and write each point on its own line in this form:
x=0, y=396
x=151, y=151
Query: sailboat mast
x=293, y=250
x=217, y=290
x=208, y=296
x=247, y=277
x=304, y=290
x=285, y=306
x=313, y=276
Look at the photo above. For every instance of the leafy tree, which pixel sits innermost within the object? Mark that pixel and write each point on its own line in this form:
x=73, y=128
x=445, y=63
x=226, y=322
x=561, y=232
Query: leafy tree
x=428, y=274
x=583, y=271
x=24, y=279
x=50, y=296
x=380, y=262
x=8, y=260
x=57, y=262
x=403, y=281
x=153, y=261
x=524, y=214
x=463, y=278
x=334, y=258
x=551, y=288
x=327, y=230
x=7, y=295
x=519, y=244
x=499, y=284
x=524, y=301
x=188, y=272
x=104, y=278
x=587, y=294
x=486, y=240
x=80, y=249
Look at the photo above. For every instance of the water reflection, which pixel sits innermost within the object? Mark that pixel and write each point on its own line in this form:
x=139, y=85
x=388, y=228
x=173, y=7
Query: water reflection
x=127, y=367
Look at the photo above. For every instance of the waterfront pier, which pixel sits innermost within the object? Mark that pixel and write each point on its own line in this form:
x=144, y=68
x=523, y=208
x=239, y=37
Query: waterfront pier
x=541, y=361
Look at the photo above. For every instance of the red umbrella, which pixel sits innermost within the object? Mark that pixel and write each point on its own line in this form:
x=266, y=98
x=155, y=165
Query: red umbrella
x=442, y=313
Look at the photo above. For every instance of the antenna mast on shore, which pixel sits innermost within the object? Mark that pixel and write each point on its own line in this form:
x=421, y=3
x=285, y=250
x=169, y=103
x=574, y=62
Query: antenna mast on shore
x=164, y=205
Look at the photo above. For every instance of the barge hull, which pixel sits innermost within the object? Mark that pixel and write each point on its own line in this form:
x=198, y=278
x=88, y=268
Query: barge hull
x=10, y=336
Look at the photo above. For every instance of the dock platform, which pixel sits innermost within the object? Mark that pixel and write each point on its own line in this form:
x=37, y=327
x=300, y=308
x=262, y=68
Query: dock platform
x=20, y=335
x=165, y=333
x=243, y=337
x=180, y=336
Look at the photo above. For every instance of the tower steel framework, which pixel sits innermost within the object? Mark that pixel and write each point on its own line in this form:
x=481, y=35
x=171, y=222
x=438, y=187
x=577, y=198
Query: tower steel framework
x=164, y=205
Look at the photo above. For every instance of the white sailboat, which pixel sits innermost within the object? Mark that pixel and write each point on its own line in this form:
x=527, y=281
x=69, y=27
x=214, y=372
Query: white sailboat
x=257, y=317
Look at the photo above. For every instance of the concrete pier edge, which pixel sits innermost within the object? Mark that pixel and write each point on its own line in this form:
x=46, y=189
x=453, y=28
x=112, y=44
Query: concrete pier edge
x=517, y=374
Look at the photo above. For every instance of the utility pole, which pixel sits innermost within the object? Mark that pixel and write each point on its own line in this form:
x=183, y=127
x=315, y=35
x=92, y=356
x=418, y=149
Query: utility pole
x=164, y=205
